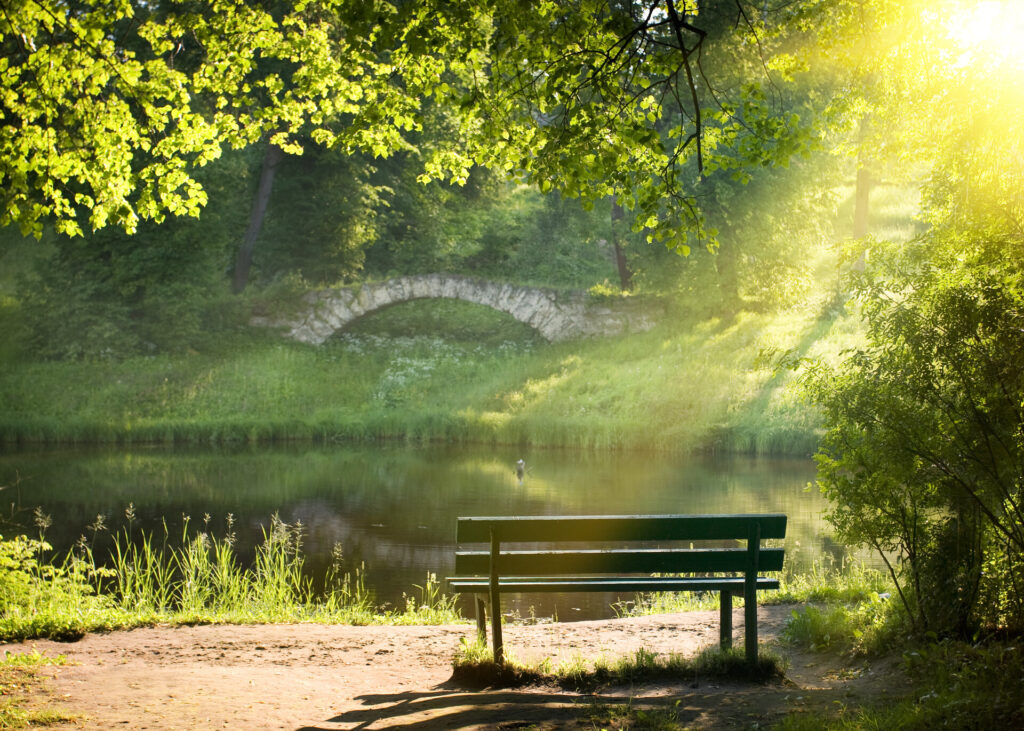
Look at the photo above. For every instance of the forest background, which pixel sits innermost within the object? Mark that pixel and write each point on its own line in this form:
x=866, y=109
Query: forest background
x=138, y=331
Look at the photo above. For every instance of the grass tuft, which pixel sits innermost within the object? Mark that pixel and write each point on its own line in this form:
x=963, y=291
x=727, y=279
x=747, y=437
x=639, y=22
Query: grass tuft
x=18, y=676
x=958, y=686
x=474, y=666
x=630, y=715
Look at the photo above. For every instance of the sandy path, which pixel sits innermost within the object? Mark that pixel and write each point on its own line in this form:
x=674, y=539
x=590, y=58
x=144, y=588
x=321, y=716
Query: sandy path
x=343, y=677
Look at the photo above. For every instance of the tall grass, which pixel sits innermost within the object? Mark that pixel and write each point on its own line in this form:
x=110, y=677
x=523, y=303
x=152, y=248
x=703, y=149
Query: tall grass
x=194, y=577
x=848, y=582
x=688, y=385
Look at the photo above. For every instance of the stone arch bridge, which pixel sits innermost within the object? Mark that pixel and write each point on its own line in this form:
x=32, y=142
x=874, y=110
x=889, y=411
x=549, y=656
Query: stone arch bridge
x=555, y=314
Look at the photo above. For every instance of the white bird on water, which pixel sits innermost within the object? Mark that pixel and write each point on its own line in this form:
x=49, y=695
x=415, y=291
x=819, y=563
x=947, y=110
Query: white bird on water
x=520, y=470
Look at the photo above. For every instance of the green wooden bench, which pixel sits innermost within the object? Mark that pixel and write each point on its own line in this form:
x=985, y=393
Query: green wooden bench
x=619, y=553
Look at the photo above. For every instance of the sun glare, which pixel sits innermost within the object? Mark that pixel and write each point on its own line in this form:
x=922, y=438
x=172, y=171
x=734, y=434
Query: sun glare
x=991, y=29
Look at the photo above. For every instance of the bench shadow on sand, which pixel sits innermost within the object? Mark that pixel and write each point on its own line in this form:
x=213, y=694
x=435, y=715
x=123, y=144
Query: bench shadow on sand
x=452, y=705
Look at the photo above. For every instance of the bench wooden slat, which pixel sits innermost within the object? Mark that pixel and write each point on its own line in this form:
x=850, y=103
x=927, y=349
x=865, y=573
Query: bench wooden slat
x=539, y=584
x=616, y=561
x=613, y=528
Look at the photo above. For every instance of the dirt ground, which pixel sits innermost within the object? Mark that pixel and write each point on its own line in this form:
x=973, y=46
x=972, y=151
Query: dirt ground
x=306, y=677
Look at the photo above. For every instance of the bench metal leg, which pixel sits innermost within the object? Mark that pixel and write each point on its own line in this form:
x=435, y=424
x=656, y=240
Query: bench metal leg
x=481, y=621
x=750, y=626
x=725, y=620
x=499, y=654
x=499, y=657
x=750, y=594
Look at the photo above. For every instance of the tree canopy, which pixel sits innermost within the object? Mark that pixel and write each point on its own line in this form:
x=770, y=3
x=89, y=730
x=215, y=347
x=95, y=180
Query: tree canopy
x=109, y=108
x=924, y=454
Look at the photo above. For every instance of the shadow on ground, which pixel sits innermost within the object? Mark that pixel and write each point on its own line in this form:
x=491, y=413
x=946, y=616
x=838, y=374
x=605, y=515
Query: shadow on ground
x=448, y=706
x=814, y=684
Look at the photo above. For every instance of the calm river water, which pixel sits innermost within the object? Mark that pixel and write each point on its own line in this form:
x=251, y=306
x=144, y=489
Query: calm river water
x=394, y=507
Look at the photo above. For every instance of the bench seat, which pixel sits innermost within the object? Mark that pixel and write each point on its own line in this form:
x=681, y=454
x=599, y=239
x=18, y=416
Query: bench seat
x=533, y=584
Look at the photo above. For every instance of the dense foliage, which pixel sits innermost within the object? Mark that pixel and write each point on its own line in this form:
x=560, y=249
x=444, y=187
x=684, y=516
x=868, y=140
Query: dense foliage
x=109, y=108
x=109, y=294
x=655, y=114
x=924, y=459
x=637, y=100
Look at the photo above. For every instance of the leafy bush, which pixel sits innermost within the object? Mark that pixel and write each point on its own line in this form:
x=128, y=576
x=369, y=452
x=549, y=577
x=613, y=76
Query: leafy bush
x=925, y=454
x=40, y=599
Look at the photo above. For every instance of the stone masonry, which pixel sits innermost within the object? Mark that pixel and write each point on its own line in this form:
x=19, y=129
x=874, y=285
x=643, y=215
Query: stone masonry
x=555, y=314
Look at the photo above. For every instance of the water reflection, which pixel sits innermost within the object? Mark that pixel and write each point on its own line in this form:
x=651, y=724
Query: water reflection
x=394, y=507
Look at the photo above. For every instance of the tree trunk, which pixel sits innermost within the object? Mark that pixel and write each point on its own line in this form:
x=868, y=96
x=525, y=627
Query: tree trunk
x=863, y=191
x=860, y=205
x=625, y=276
x=727, y=263
x=272, y=157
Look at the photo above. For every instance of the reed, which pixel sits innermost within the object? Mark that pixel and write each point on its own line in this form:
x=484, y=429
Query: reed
x=194, y=577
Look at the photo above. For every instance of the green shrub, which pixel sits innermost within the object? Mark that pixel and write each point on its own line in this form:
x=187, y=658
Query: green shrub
x=923, y=457
x=40, y=599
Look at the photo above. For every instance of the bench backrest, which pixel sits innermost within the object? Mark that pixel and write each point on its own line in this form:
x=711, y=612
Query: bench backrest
x=498, y=532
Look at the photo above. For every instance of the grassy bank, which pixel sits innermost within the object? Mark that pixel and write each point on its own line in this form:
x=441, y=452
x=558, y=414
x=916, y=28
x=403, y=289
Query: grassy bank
x=690, y=384
x=835, y=585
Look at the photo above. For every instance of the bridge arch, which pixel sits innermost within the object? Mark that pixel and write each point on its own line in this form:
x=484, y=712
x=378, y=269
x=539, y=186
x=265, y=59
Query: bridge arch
x=555, y=314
